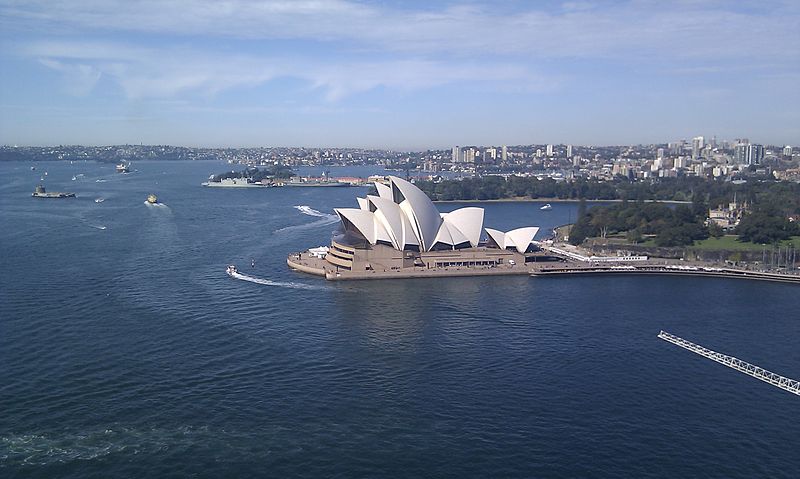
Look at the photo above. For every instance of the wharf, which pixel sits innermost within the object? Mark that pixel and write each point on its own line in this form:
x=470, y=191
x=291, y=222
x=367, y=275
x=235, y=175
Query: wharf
x=571, y=269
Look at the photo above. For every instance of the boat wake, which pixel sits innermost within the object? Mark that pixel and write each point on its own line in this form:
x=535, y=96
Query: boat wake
x=156, y=205
x=307, y=210
x=324, y=219
x=99, y=227
x=267, y=282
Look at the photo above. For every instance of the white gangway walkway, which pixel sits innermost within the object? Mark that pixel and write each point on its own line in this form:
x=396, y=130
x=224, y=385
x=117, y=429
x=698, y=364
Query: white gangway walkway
x=750, y=369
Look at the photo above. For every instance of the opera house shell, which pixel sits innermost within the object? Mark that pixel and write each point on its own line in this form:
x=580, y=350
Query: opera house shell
x=403, y=217
x=399, y=233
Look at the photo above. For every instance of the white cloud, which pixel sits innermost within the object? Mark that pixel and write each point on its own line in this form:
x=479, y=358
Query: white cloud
x=643, y=28
x=164, y=73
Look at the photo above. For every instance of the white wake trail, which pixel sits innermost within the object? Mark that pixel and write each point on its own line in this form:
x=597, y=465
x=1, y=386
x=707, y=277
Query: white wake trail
x=307, y=210
x=324, y=219
x=280, y=284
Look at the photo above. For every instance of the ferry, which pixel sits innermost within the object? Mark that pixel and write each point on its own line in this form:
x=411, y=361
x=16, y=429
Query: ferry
x=231, y=270
x=546, y=207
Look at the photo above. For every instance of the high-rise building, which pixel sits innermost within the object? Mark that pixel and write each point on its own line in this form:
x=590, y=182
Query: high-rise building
x=787, y=150
x=697, y=146
x=660, y=153
x=569, y=151
x=469, y=155
x=549, y=150
x=748, y=154
x=456, y=154
x=504, y=154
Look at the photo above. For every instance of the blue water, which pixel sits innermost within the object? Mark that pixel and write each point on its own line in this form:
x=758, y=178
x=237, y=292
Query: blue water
x=125, y=350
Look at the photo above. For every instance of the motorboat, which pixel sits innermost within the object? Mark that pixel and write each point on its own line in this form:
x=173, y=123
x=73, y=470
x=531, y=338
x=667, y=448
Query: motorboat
x=546, y=207
x=231, y=270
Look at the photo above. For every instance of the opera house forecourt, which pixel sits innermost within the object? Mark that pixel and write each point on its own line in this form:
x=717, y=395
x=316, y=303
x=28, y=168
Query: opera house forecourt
x=400, y=234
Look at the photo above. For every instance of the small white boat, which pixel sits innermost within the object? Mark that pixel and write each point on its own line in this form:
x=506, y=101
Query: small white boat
x=99, y=200
x=74, y=178
x=546, y=207
x=231, y=270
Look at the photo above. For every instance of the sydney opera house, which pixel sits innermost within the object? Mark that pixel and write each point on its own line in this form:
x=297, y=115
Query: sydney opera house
x=400, y=233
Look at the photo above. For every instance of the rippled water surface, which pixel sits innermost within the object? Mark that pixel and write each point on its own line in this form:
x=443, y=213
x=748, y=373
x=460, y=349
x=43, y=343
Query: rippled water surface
x=125, y=350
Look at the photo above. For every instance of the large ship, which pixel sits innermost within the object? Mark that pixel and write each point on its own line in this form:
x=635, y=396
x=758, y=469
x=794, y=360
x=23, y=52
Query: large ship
x=235, y=183
x=324, y=181
x=40, y=192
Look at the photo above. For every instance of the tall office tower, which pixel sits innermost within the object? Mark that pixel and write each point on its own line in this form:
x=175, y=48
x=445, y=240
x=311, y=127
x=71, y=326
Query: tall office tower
x=748, y=154
x=456, y=154
x=569, y=151
x=660, y=153
x=469, y=155
x=740, y=153
x=504, y=154
x=549, y=150
x=787, y=150
x=697, y=146
x=755, y=153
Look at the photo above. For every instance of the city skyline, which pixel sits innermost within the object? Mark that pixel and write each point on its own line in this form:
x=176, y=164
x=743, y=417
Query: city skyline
x=409, y=76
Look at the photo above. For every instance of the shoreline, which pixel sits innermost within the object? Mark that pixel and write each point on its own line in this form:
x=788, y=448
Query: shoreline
x=556, y=200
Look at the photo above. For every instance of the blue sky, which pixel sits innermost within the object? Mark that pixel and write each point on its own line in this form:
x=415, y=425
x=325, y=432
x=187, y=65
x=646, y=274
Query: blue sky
x=409, y=75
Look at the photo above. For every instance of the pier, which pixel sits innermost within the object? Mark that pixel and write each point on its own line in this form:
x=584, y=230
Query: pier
x=759, y=373
x=651, y=268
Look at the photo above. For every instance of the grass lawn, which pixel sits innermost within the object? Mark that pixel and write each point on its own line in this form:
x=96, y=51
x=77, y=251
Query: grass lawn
x=729, y=243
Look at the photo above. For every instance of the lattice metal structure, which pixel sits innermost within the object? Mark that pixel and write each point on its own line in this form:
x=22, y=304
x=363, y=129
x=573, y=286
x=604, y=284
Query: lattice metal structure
x=750, y=369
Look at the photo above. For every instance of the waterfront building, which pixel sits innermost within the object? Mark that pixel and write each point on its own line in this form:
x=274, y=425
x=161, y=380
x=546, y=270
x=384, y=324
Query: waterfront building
x=400, y=233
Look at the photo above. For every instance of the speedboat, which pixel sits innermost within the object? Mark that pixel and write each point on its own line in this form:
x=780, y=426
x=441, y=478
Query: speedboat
x=548, y=206
x=99, y=200
x=231, y=270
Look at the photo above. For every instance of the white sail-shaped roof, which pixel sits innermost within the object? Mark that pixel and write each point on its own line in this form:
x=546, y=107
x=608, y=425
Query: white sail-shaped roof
x=450, y=235
x=469, y=222
x=383, y=191
x=519, y=238
x=390, y=216
x=402, y=216
x=423, y=215
x=364, y=223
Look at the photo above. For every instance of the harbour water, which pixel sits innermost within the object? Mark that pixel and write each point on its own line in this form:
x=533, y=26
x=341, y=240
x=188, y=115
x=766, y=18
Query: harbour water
x=126, y=351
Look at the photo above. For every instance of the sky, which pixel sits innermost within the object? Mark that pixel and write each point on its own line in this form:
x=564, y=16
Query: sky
x=402, y=75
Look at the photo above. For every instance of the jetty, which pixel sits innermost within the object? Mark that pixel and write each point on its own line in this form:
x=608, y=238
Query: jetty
x=757, y=372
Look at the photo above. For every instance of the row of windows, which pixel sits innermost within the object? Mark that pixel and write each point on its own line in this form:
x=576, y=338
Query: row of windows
x=445, y=264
